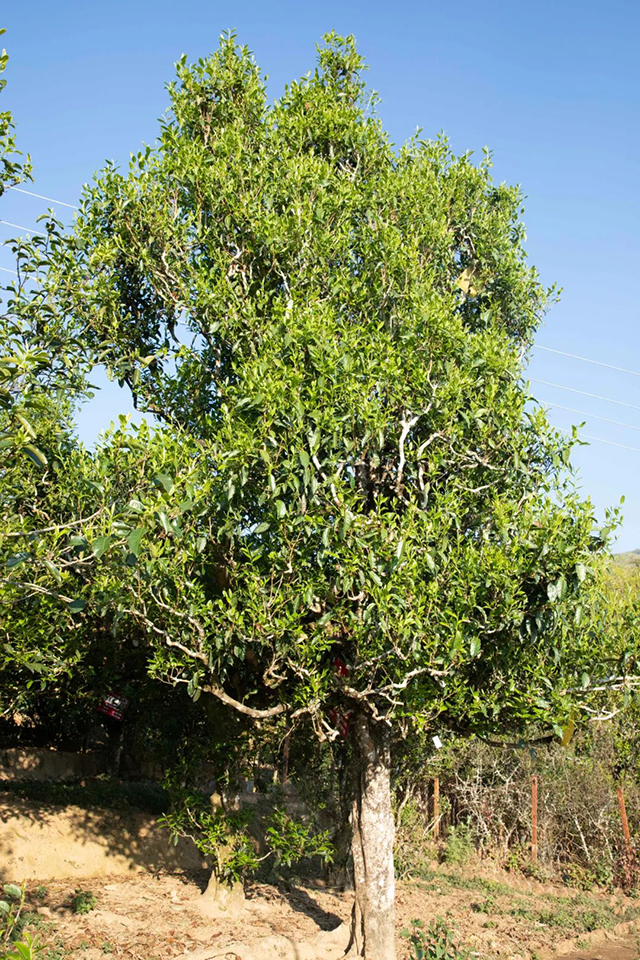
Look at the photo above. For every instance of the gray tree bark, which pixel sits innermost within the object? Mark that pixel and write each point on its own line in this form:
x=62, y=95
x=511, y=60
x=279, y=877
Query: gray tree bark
x=373, y=918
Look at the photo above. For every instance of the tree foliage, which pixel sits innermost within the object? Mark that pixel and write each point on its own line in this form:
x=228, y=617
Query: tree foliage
x=332, y=334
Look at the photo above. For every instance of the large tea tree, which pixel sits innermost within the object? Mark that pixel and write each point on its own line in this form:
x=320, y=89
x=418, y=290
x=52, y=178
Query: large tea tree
x=361, y=515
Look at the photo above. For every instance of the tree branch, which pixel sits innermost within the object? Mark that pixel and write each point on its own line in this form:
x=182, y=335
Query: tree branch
x=243, y=708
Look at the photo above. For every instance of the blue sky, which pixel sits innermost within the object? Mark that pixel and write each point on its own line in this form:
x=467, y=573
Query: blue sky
x=552, y=88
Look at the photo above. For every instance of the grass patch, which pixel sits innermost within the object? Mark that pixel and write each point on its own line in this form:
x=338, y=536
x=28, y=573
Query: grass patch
x=574, y=914
x=436, y=878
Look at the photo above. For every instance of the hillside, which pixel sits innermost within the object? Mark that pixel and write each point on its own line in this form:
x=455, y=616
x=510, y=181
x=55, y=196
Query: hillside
x=629, y=559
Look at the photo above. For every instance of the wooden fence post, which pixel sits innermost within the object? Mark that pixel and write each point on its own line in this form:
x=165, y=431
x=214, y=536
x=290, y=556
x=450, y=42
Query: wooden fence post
x=436, y=807
x=625, y=822
x=534, y=818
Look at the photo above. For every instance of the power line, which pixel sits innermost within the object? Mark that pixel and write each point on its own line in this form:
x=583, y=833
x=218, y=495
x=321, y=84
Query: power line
x=17, y=226
x=610, y=443
x=6, y=270
x=584, y=413
x=599, y=363
x=29, y=193
x=583, y=393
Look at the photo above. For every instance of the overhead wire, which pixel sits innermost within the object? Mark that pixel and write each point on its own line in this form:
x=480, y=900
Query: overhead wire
x=594, y=396
x=40, y=196
x=17, y=226
x=584, y=393
x=611, y=443
x=585, y=413
x=599, y=363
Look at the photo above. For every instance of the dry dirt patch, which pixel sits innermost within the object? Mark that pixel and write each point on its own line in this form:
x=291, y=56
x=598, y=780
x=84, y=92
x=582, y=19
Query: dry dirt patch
x=159, y=917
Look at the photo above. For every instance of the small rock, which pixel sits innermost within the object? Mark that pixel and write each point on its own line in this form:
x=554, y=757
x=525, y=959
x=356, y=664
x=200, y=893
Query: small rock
x=44, y=911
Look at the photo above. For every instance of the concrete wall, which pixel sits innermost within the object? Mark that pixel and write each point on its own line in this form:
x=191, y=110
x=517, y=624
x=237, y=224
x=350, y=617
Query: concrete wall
x=41, y=843
x=45, y=763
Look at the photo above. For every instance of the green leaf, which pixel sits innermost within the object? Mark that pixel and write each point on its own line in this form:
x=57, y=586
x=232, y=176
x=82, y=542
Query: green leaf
x=12, y=890
x=133, y=540
x=99, y=545
x=304, y=458
x=77, y=605
x=164, y=481
x=280, y=509
x=36, y=455
x=51, y=567
x=262, y=527
x=26, y=425
x=17, y=559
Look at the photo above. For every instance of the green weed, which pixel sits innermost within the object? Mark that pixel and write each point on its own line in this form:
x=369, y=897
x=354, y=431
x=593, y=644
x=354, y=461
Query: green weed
x=83, y=901
x=437, y=942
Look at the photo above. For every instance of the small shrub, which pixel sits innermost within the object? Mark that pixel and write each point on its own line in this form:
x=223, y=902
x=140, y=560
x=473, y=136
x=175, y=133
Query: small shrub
x=488, y=905
x=627, y=869
x=413, y=848
x=535, y=871
x=580, y=878
x=459, y=846
x=83, y=901
x=436, y=943
x=26, y=949
x=11, y=906
x=226, y=839
x=290, y=840
x=556, y=918
x=39, y=893
x=516, y=858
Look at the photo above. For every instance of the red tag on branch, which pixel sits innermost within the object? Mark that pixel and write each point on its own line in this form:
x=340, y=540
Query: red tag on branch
x=342, y=669
x=113, y=707
x=341, y=722
x=339, y=719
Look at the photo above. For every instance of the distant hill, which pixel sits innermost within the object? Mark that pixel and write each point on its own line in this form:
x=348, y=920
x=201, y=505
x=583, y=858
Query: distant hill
x=629, y=559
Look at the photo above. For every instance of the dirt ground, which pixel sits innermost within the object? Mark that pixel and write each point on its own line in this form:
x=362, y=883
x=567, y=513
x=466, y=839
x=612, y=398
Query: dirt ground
x=156, y=917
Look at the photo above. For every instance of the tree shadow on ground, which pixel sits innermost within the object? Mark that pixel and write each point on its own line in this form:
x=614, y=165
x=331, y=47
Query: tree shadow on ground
x=300, y=901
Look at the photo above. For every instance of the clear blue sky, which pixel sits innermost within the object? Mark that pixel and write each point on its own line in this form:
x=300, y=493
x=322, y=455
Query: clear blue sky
x=552, y=88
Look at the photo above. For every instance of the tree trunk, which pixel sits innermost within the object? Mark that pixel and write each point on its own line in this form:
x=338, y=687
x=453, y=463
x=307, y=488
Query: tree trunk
x=114, y=748
x=373, y=918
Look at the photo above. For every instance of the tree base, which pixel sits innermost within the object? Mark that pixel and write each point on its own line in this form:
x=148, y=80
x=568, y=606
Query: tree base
x=222, y=898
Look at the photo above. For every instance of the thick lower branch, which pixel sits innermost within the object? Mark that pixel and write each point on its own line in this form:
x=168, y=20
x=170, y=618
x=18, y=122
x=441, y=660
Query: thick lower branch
x=243, y=708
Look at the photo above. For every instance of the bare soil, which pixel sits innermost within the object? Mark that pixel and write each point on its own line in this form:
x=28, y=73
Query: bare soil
x=149, y=905
x=156, y=917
